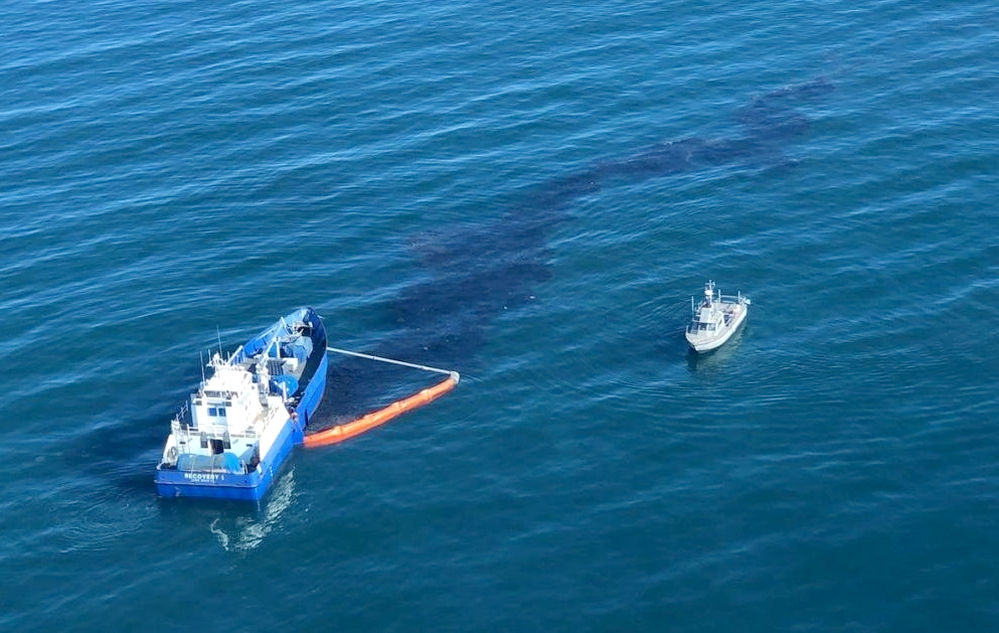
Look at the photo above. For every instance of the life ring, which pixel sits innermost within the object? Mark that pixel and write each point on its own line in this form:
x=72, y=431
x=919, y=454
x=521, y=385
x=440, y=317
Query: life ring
x=172, y=454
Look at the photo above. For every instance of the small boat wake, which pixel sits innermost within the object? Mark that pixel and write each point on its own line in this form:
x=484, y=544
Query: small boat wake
x=246, y=533
x=222, y=536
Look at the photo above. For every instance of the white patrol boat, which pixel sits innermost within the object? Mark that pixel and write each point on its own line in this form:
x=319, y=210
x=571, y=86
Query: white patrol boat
x=715, y=319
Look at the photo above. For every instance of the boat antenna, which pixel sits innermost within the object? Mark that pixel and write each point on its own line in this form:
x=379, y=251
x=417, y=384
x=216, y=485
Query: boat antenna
x=201, y=357
x=219, y=335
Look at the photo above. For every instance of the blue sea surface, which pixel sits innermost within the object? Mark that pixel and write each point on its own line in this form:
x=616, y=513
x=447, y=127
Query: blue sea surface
x=528, y=193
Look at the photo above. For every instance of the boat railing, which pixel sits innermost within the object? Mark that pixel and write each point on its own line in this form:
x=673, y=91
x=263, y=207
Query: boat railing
x=731, y=298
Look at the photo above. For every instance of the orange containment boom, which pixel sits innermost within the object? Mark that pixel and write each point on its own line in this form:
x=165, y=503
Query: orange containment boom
x=367, y=422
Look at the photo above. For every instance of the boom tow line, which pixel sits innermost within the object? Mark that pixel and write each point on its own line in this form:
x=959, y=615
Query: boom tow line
x=341, y=432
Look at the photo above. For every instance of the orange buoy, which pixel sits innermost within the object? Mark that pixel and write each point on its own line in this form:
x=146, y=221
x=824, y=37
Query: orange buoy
x=341, y=432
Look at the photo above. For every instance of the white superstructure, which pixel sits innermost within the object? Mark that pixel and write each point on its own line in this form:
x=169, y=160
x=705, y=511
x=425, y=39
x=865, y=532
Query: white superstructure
x=715, y=319
x=238, y=412
x=230, y=413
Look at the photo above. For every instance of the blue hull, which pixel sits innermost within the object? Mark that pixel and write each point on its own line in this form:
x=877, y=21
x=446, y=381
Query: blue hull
x=253, y=486
x=221, y=485
x=311, y=398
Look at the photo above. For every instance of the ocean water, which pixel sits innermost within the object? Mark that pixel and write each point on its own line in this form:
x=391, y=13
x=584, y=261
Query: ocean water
x=528, y=193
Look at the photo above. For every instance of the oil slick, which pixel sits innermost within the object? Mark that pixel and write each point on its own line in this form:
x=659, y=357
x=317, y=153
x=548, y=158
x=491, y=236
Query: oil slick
x=478, y=271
